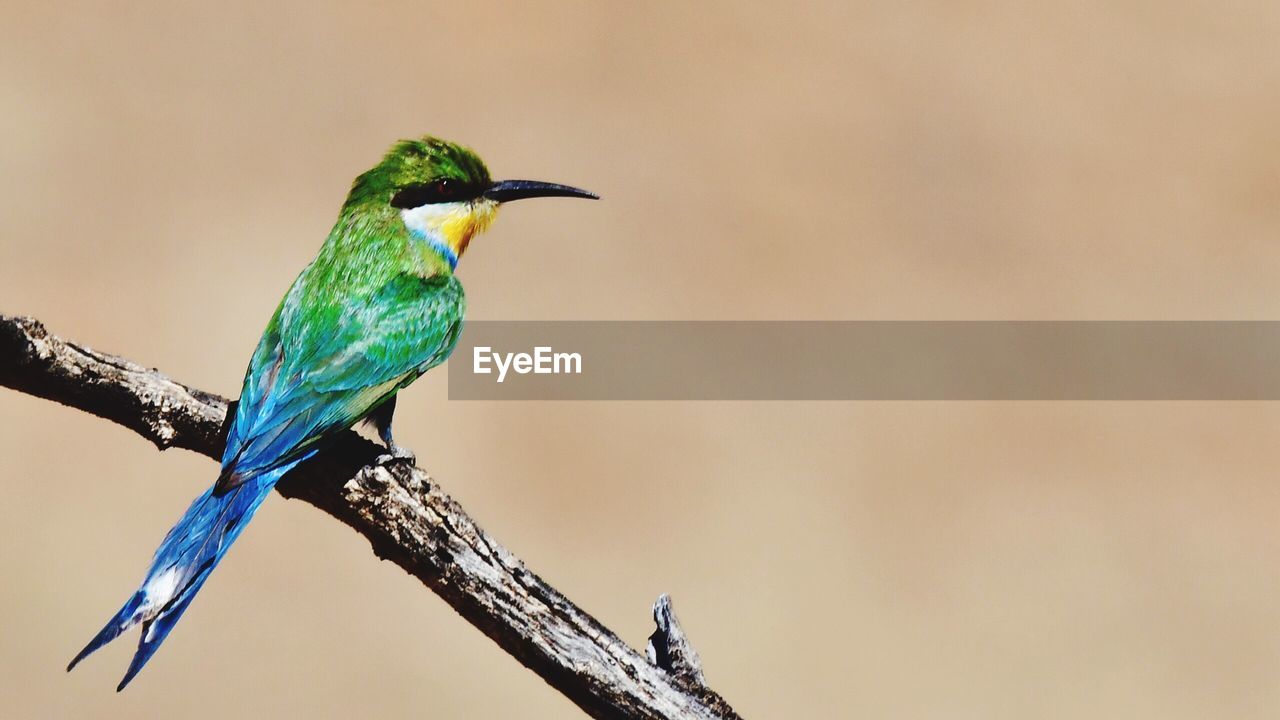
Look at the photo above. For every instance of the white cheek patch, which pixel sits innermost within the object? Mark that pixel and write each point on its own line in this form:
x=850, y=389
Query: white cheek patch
x=427, y=221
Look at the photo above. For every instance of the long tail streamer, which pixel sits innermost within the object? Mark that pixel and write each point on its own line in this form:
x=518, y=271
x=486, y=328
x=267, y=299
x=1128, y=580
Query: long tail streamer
x=182, y=563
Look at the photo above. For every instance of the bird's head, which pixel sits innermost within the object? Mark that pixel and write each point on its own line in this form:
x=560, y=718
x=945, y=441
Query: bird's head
x=443, y=193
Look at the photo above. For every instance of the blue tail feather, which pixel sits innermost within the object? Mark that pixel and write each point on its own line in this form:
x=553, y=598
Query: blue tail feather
x=181, y=565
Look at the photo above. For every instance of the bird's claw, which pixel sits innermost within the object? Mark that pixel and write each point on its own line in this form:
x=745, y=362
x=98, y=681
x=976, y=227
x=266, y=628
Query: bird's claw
x=397, y=453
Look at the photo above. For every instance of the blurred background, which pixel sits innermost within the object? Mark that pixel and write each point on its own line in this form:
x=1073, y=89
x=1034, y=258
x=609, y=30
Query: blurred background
x=167, y=168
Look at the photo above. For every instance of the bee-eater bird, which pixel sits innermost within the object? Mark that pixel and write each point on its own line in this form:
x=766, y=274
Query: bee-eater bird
x=379, y=306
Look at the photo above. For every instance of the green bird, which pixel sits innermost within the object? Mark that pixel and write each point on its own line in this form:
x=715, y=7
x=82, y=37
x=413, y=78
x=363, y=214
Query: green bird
x=379, y=306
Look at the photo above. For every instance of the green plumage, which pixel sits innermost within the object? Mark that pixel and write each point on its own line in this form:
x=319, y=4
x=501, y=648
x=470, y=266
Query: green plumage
x=376, y=308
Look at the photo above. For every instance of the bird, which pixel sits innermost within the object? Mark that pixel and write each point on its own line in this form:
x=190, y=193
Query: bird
x=378, y=306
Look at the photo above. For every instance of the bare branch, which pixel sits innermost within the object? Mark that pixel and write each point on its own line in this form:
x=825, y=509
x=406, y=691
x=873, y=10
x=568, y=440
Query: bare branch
x=405, y=516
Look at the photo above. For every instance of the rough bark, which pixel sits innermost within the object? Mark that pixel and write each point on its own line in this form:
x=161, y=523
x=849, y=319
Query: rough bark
x=407, y=518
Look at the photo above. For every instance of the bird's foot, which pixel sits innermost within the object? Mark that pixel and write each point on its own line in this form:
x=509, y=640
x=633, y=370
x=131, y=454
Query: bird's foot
x=397, y=453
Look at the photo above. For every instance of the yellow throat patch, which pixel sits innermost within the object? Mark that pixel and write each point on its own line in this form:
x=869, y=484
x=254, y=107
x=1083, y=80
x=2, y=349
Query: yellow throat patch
x=450, y=226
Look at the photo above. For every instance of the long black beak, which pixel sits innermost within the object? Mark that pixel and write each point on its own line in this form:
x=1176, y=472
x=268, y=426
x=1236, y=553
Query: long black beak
x=508, y=190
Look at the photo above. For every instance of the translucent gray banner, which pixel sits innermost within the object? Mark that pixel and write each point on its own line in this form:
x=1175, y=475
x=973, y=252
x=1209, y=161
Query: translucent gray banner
x=606, y=360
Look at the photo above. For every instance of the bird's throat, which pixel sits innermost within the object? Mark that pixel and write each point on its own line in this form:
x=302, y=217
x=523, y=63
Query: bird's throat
x=447, y=228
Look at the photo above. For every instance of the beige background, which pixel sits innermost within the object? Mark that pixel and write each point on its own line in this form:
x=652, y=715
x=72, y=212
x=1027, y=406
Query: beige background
x=164, y=172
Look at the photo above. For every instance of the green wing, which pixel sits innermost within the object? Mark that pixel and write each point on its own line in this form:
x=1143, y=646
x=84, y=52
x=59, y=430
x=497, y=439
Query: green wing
x=319, y=370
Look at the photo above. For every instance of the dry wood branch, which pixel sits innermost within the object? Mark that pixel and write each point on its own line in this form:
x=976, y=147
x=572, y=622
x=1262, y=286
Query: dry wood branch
x=407, y=519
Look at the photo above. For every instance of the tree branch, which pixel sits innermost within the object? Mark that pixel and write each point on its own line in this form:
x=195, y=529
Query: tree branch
x=407, y=519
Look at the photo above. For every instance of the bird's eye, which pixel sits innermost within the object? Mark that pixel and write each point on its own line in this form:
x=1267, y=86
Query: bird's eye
x=443, y=190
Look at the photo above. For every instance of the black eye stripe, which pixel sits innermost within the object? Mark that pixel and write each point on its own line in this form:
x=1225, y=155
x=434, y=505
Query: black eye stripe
x=440, y=191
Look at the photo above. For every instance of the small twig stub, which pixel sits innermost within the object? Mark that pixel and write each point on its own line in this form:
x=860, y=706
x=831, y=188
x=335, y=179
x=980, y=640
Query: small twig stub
x=669, y=648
